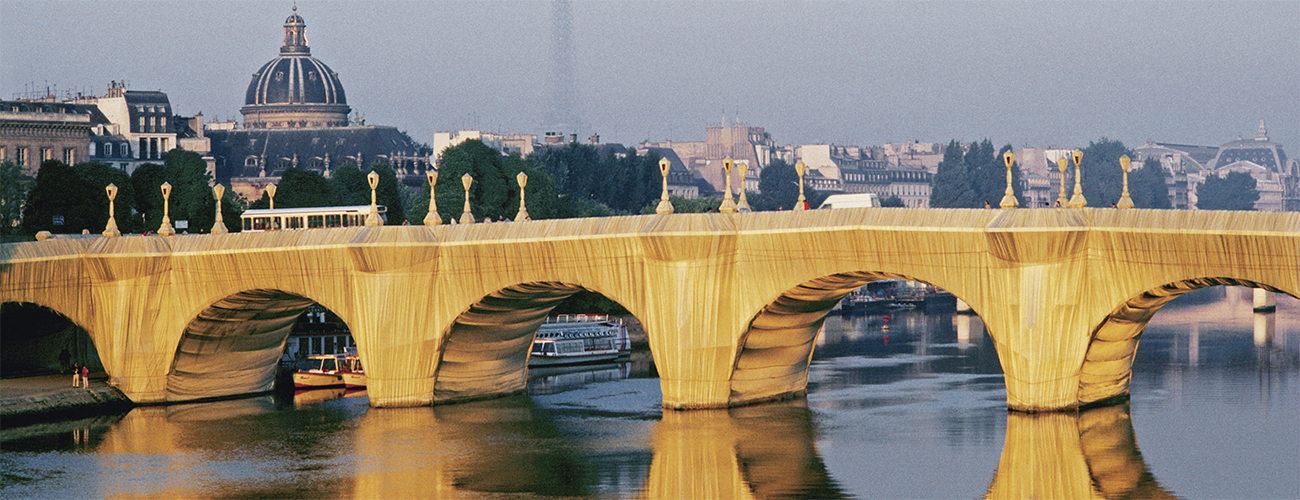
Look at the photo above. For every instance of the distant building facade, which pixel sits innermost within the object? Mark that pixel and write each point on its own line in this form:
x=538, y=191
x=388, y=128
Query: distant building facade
x=741, y=143
x=854, y=169
x=1277, y=178
x=34, y=131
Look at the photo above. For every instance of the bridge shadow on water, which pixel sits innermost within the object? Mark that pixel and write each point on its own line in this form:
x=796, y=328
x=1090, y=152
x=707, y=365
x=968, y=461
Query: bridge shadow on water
x=518, y=447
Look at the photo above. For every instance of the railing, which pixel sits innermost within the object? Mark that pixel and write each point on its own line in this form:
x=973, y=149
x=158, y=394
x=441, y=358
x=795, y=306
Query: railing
x=582, y=318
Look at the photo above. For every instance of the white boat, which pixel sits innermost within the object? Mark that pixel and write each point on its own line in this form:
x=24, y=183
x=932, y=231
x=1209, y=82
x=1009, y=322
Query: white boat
x=326, y=373
x=354, y=376
x=581, y=338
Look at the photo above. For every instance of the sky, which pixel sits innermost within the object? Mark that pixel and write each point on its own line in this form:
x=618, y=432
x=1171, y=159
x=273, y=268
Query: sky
x=1030, y=73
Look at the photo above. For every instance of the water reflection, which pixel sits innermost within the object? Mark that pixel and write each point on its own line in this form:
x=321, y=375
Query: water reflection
x=763, y=451
x=1092, y=454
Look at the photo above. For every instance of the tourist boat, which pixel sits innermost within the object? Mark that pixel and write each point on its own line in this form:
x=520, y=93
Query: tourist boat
x=325, y=373
x=354, y=376
x=581, y=338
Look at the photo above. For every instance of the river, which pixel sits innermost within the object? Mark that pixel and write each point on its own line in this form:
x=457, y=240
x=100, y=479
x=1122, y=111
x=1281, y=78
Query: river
x=912, y=407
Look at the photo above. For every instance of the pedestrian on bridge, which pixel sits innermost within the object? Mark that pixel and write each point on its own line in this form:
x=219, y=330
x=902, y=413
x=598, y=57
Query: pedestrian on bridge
x=85, y=377
x=76, y=375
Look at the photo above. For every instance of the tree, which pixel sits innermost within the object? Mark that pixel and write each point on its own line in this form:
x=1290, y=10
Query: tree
x=299, y=188
x=145, y=181
x=98, y=177
x=59, y=203
x=491, y=190
x=952, y=182
x=987, y=174
x=892, y=201
x=1235, y=191
x=352, y=186
x=778, y=189
x=191, y=198
x=1147, y=187
x=1103, y=177
x=14, y=185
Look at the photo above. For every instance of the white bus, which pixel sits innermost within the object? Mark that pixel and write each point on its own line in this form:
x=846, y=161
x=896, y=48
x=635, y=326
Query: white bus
x=859, y=200
x=265, y=219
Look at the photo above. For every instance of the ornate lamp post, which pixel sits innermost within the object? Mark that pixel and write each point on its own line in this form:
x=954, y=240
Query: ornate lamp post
x=1063, y=200
x=523, y=212
x=1009, y=198
x=466, y=216
x=373, y=219
x=110, y=229
x=665, y=206
x=270, y=191
x=743, y=205
x=800, y=168
x=166, y=228
x=1078, y=201
x=432, y=218
x=219, y=227
x=728, y=205
x=1124, y=200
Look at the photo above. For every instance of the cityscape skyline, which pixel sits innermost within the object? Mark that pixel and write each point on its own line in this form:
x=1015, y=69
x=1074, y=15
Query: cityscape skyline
x=862, y=73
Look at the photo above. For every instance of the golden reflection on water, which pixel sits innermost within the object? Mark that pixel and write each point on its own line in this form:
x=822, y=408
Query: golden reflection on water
x=1092, y=454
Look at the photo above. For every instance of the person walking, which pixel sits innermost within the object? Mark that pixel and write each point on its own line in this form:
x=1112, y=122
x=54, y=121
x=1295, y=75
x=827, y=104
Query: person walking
x=76, y=375
x=85, y=377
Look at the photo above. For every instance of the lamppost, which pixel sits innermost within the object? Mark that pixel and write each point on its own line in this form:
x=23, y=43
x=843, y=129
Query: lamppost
x=665, y=206
x=743, y=205
x=800, y=168
x=1078, y=201
x=1009, y=198
x=373, y=218
x=1062, y=201
x=1124, y=200
x=270, y=192
x=728, y=205
x=166, y=228
x=432, y=218
x=219, y=227
x=466, y=216
x=110, y=229
x=523, y=212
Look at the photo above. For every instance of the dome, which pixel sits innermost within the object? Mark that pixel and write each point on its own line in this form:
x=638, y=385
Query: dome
x=295, y=90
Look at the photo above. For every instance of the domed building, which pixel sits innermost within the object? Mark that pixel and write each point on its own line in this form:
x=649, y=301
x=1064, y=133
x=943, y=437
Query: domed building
x=295, y=90
x=296, y=116
x=1276, y=177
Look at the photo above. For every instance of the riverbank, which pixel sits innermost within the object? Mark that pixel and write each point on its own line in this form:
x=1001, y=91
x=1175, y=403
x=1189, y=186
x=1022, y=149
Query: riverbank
x=29, y=400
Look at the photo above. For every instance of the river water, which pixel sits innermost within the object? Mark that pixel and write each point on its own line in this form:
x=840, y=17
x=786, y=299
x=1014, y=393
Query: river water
x=912, y=407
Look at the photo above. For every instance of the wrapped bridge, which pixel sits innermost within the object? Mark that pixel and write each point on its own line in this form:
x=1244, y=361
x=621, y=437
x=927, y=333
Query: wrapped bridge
x=731, y=303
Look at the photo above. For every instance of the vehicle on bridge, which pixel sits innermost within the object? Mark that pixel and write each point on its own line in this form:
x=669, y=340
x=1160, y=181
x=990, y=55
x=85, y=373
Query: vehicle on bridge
x=275, y=219
x=580, y=338
x=858, y=200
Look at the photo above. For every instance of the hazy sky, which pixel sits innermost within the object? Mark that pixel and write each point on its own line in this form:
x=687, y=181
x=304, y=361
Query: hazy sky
x=1031, y=73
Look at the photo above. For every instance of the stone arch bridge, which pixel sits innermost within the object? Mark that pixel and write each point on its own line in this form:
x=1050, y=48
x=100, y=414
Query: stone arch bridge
x=731, y=303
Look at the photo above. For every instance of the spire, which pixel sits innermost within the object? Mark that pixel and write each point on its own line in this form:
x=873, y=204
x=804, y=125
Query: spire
x=295, y=36
x=1263, y=131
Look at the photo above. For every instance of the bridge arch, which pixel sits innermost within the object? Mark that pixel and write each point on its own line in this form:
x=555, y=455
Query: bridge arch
x=485, y=349
x=776, y=345
x=1108, y=365
x=36, y=336
x=233, y=345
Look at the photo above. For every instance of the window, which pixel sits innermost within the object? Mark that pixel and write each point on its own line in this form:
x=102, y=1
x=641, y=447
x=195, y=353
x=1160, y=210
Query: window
x=293, y=223
x=4, y=153
x=315, y=221
x=94, y=149
x=164, y=145
x=141, y=124
x=303, y=346
x=162, y=122
x=69, y=155
x=333, y=220
x=20, y=156
x=144, y=147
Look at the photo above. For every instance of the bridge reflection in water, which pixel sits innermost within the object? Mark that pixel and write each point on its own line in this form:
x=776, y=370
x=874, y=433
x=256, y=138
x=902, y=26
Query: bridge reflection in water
x=511, y=446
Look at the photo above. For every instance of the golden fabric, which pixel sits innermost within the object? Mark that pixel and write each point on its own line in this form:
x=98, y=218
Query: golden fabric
x=731, y=303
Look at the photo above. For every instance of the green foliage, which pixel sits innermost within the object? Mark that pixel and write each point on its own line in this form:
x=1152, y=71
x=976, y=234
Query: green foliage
x=351, y=185
x=1147, y=187
x=588, y=302
x=694, y=205
x=952, y=186
x=14, y=185
x=146, y=180
x=491, y=190
x=623, y=185
x=191, y=198
x=778, y=187
x=98, y=177
x=59, y=191
x=300, y=188
x=892, y=201
x=1235, y=191
x=1103, y=177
